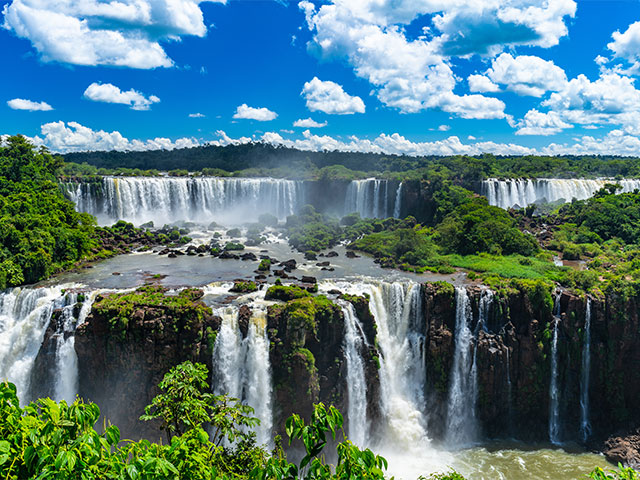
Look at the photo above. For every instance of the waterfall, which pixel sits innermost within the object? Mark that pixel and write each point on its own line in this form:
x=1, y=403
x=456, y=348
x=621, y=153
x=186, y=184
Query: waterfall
x=368, y=197
x=66, y=371
x=197, y=199
x=461, y=416
x=397, y=206
x=354, y=341
x=554, y=394
x=241, y=367
x=24, y=317
x=522, y=192
x=585, y=425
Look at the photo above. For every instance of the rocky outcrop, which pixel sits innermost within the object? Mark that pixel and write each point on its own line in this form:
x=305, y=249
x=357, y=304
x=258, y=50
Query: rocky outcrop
x=130, y=340
x=624, y=449
x=307, y=356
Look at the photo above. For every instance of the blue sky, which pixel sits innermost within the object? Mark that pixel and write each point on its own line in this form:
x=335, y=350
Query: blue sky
x=395, y=76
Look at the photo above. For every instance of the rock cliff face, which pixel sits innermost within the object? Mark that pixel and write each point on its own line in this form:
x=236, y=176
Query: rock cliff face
x=130, y=340
x=514, y=362
x=307, y=356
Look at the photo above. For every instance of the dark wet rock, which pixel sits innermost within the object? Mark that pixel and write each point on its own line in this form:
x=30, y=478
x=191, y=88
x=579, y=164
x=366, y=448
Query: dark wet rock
x=280, y=273
x=244, y=318
x=332, y=254
x=310, y=256
x=228, y=255
x=249, y=256
x=308, y=279
x=322, y=264
x=624, y=449
x=172, y=255
x=351, y=254
x=334, y=291
x=289, y=265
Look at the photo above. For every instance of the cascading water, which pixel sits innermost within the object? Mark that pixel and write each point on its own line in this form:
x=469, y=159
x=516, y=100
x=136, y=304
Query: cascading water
x=241, y=367
x=585, y=425
x=197, y=199
x=367, y=197
x=24, y=317
x=397, y=205
x=354, y=341
x=554, y=394
x=66, y=376
x=522, y=192
x=461, y=417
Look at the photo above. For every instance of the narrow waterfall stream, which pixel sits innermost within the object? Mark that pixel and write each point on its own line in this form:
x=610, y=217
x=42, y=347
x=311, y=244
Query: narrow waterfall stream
x=462, y=429
x=241, y=367
x=397, y=205
x=354, y=339
x=66, y=381
x=554, y=394
x=585, y=425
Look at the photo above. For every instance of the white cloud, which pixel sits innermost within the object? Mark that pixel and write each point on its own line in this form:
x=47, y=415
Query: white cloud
x=415, y=74
x=74, y=137
x=108, y=93
x=526, y=74
x=112, y=32
x=444, y=128
x=627, y=45
x=308, y=123
x=24, y=104
x=329, y=97
x=612, y=99
x=260, y=114
x=471, y=137
x=539, y=123
x=196, y=115
x=480, y=83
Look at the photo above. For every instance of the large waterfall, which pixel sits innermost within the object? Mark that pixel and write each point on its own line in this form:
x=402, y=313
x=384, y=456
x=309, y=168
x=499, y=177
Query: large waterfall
x=373, y=198
x=355, y=341
x=554, y=394
x=522, y=191
x=585, y=425
x=196, y=199
x=25, y=315
x=461, y=417
x=241, y=367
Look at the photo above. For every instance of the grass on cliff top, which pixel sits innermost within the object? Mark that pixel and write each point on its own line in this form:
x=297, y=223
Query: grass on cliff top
x=120, y=307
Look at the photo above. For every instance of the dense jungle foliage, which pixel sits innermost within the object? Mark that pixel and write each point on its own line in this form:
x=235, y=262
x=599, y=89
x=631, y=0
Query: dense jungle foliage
x=40, y=231
x=207, y=437
x=260, y=159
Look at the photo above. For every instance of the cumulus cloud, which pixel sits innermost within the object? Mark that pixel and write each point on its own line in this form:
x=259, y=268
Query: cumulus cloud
x=196, y=115
x=308, y=123
x=74, y=137
x=540, y=123
x=108, y=93
x=527, y=74
x=124, y=33
x=414, y=74
x=24, y=104
x=250, y=113
x=444, y=128
x=329, y=97
x=627, y=45
x=480, y=83
x=611, y=99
